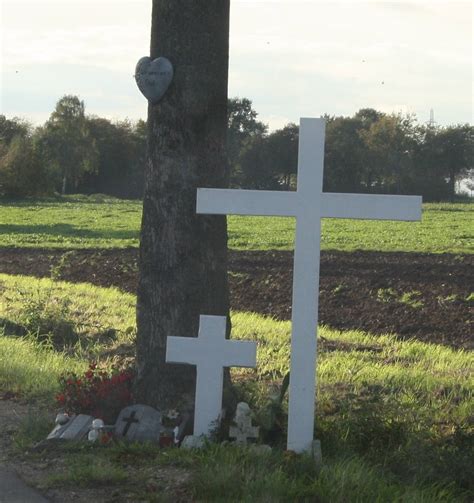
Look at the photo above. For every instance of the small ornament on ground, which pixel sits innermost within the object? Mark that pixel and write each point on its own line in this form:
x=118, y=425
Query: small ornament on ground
x=97, y=429
x=153, y=77
x=62, y=418
x=243, y=429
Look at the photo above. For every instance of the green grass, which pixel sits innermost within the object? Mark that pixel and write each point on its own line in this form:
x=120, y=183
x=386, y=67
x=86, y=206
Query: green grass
x=32, y=370
x=238, y=475
x=101, y=222
x=393, y=416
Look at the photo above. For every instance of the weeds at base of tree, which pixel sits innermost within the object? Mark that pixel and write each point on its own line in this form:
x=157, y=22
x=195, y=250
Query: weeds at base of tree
x=386, y=294
x=412, y=299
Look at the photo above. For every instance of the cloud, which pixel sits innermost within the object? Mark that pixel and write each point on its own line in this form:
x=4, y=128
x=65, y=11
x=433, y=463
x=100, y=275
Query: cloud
x=291, y=58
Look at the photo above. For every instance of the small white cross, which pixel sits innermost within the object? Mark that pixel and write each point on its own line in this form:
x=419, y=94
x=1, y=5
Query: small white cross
x=308, y=204
x=210, y=352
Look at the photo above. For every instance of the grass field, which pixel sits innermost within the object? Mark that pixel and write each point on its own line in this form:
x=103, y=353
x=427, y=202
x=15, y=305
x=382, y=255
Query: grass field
x=393, y=416
x=100, y=222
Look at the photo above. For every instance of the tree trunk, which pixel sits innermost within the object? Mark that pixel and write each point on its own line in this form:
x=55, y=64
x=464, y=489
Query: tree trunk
x=183, y=256
x=452, y=184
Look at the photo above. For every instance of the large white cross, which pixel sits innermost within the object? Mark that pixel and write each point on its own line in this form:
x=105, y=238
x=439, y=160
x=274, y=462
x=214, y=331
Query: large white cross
x=210, y=352
x=308, y=204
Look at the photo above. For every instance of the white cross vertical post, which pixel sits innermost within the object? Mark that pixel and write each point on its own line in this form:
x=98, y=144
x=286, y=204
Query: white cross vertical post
x=210, y=352
x=308, y=204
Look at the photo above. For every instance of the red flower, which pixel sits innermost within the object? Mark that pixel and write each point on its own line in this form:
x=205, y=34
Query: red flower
x=97, y=393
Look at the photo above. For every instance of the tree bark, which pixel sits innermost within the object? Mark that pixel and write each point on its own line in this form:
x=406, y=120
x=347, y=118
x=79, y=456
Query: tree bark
x=183, y=256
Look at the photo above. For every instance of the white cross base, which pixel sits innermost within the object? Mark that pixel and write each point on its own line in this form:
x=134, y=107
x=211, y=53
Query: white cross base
x=210, y=352
x=308, y=204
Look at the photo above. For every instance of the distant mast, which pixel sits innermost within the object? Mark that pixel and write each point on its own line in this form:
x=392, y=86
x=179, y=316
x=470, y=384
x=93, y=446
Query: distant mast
x=432, y=119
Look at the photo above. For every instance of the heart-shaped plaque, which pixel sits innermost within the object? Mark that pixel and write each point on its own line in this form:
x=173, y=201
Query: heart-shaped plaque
x=153, y=77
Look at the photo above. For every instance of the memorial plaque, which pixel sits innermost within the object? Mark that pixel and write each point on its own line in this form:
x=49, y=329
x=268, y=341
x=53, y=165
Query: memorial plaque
x=139, y=423
x=153, y=77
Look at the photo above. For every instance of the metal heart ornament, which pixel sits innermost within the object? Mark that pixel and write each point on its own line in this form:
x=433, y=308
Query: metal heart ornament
x=153, y=77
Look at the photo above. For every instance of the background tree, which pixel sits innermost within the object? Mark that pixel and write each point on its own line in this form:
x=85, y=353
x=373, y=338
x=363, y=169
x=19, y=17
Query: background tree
x=242, y=129
x=387, y=144
x=344, y=155
x=22, y=172
x=454, y=148
x=282, y=154
x=121, y=149
x=183, y=256
x=10, y=128
x=68, y=144
x=367, y=152
x=255, y=170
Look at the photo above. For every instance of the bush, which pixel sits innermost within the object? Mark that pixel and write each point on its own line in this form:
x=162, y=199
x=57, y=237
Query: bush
x=47, y=318
x=97, y=393
x=21, y=170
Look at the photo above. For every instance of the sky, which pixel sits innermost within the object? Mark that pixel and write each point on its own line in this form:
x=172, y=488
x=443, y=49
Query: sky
x=291, y=58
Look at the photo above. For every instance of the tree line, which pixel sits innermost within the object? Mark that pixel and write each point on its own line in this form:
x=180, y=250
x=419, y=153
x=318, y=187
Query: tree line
x=370, y=152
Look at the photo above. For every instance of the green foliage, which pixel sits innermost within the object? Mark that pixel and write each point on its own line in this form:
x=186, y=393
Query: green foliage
x=82, y=320
x=446, y=154
x=67, y=143
x=83, y=470
x=386, y=294
x=102, y=222
x=368, y=152
x=22, y=172
x=242, y=128
x=31, y=369
x=11, y=128
x=121, y=148
x=46, y=317
x=33, y=428
x=412, y=299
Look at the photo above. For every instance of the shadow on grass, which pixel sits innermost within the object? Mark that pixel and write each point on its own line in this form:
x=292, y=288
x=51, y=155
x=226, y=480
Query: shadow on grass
x=67, y=230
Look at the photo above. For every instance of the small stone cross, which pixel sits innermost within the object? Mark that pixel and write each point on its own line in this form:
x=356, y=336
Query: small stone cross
x=244, y=428
x=129, y=420
x=210, y=352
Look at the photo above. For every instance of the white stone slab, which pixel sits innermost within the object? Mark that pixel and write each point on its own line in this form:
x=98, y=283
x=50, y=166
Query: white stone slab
x=76, y=428
x=210, y=352
x=308, y=204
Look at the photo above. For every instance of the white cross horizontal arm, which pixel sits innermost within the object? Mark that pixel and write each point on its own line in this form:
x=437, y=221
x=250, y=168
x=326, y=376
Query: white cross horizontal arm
x=370, y=206
x=211, y=341
x=183, y=350
x=191, y=351
x=247, y=202
x=288, y=204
